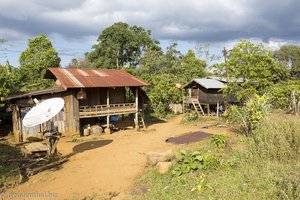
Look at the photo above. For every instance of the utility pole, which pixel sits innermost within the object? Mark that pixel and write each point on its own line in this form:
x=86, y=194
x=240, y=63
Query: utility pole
x=225, y=54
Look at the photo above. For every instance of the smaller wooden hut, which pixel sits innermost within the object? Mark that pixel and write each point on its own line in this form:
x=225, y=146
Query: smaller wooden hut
x=89, y=94
x=205, y=95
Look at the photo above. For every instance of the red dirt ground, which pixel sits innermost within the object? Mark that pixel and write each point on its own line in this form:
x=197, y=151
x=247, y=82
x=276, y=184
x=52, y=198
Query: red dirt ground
x=108, y=167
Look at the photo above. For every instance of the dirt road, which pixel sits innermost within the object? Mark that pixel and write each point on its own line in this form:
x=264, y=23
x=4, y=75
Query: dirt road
x=100, y=169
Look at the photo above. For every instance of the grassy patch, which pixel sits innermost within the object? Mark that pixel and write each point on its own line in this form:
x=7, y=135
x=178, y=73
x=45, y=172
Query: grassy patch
x=192, y=117
x=10, y=173
x=265, y=166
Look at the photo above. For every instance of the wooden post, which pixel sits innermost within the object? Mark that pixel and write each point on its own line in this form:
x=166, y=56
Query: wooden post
x=218, y=107
x=136, y=120
x=208, y=110
x=183, y=103
x=76, y=114
x=107, y=130
x=16, y=123
x=190, y=92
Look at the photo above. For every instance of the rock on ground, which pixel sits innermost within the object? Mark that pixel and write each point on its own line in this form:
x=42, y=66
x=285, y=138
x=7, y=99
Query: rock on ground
x=96, y=129
x=163, y=167
x=153, y=158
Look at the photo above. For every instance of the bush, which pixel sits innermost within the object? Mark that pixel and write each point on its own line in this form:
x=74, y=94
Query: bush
x=192, y=161
x=190, y=117
x=250, y=116
x=218, y=141
x=280, y=94
x=163, y=92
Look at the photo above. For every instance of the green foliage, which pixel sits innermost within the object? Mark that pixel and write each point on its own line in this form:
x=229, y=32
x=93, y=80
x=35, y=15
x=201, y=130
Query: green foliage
x=250, y=116
x=265, y=166
x=80, y=63
x=189, y=66
x=34, y=61
x=10, y=172
x=8, y=81
x=289, y=56
x=192, y=161
x=256, y=65
x=172, y=62
x=120, y=45
x=190, y=117
x=280, y=94
x=163, y=92
x=202, y=184
x=218, y=141
x=164, y=70
x=277, y=139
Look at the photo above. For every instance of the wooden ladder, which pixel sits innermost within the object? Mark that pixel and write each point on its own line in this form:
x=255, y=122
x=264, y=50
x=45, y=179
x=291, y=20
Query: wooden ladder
x=141, y=122
x=198, y=107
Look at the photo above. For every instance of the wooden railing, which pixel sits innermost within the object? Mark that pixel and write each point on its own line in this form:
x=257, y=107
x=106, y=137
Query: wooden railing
x=104, y=110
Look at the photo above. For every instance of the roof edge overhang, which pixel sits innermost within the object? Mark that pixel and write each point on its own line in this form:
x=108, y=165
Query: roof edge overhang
x=191, y=81
x=35, y=93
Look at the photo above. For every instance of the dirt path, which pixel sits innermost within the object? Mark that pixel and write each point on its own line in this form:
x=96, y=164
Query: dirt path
x=102, y=168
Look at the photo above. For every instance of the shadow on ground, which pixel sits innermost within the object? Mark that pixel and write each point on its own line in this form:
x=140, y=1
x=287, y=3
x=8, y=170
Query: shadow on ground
x=86, y=146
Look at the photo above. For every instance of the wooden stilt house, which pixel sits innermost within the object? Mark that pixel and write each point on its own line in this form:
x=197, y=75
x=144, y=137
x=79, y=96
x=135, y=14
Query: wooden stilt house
x=88, y=94
x=205, y=95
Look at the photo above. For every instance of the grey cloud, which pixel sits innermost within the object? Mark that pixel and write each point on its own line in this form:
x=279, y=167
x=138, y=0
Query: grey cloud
x=190, y=20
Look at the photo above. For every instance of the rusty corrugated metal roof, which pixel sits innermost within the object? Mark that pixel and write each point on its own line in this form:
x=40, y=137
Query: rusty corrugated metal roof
x=36, y=93
x=81, y=78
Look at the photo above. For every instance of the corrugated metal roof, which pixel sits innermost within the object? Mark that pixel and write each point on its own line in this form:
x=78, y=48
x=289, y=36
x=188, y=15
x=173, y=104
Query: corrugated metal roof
x=208, y=83
x=224, y=80
x=36, y=93
x=81, y=78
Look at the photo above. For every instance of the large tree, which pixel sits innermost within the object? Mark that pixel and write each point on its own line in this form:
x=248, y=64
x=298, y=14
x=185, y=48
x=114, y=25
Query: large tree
x=80, y=63
x=164, y=69
x=289, y=55
x=190, y=67
x=256, y=65
x=34, y=61
x=120, y=45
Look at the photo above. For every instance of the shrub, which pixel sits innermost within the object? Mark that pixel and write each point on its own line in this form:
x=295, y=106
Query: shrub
x=250, y=116
x=280, y=94
x=218, y=141
x=192, y=161
x=190, y=117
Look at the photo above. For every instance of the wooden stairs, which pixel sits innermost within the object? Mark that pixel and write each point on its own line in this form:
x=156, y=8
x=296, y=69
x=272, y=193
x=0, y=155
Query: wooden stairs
x=141, y=122
x=197, y=107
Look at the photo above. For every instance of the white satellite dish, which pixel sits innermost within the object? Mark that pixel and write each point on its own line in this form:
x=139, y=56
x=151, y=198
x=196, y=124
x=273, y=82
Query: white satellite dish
x=43, y=112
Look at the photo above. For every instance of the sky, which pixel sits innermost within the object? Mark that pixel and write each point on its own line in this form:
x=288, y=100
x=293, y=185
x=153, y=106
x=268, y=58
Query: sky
x=74, y=25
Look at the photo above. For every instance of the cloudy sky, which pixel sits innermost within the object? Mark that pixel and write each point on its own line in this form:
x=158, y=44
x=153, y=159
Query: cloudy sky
x=74, y=25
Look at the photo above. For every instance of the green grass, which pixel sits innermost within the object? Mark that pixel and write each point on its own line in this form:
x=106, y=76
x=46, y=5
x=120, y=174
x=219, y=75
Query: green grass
x=265, y=166
x=10, y=173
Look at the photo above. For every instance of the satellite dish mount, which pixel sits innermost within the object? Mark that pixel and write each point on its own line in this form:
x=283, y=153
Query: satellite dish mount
x=43, y=112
